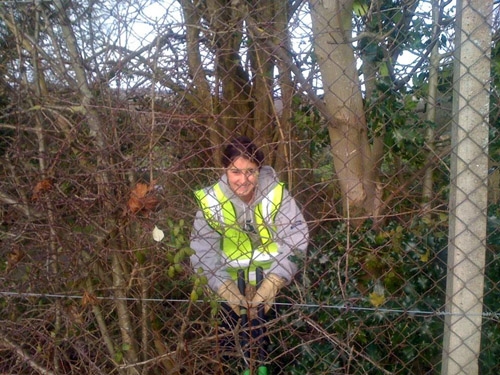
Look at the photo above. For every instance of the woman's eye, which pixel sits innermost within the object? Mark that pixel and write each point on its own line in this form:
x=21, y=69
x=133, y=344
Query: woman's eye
x=246, y=172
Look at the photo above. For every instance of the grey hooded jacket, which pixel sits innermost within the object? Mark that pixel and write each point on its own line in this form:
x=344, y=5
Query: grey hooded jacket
x=292, y=234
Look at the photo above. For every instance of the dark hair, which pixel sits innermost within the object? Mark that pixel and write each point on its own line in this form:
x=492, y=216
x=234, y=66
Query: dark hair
x=244, y=147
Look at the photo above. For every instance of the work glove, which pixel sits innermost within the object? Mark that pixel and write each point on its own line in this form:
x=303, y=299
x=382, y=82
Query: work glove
x=266, y=293
x=229, y=292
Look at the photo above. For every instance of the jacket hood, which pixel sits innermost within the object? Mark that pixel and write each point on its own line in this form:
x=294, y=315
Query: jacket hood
x=267, y=181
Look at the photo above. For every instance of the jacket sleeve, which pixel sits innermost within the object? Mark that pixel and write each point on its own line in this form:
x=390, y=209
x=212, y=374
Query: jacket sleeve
x=292, y=236
x=205, y=242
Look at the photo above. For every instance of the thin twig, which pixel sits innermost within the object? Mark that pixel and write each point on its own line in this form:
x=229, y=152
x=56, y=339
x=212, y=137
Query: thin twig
x=347, y=349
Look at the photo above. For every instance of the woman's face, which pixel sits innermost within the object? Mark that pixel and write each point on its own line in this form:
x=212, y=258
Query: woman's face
x=242, y=176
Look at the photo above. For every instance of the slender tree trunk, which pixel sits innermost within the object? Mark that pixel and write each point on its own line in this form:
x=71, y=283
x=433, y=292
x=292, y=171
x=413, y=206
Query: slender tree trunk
x=261, y=58
x=427, y=188
x=331, y=21
x=206, y=102
x=235, y=104
x=283, y=115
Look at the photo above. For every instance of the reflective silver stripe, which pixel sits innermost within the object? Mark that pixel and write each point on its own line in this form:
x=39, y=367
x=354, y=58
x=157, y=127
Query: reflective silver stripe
x=267, y=206
x=214, y=205
x=257, y=256
x=239, y=263
x=252, y=277
x=262, y=256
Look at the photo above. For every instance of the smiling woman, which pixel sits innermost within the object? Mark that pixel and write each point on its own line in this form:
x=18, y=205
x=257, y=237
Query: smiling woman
x=245, y=221
x=243, y=161
x=242, y=177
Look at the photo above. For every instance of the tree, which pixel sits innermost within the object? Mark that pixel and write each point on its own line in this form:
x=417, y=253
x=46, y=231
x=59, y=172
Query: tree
x=332, y=28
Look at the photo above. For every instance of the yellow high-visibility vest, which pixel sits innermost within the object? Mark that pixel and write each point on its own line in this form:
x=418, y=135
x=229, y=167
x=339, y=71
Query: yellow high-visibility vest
x=220, y=214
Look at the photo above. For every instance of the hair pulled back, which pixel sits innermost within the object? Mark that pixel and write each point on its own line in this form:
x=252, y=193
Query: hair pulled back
x=242, y=146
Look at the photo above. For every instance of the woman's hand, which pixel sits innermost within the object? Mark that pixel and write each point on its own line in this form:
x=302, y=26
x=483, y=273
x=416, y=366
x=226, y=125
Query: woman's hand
x=229, y=292
x=266, y=293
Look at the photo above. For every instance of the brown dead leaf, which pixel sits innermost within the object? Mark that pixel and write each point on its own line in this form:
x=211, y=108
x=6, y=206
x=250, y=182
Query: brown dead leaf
x=14, y=257
x=142, y=198
x=89, y=299
x=41, y=187
x=140, y=190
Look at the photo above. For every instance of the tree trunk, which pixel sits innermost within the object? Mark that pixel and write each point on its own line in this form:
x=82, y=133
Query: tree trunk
x=235, y=104
x=428, y=180
x=204, y=99
x=331, y=21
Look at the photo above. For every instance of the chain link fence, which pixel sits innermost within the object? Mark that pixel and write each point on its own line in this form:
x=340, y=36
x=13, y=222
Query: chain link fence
x=381, y=119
